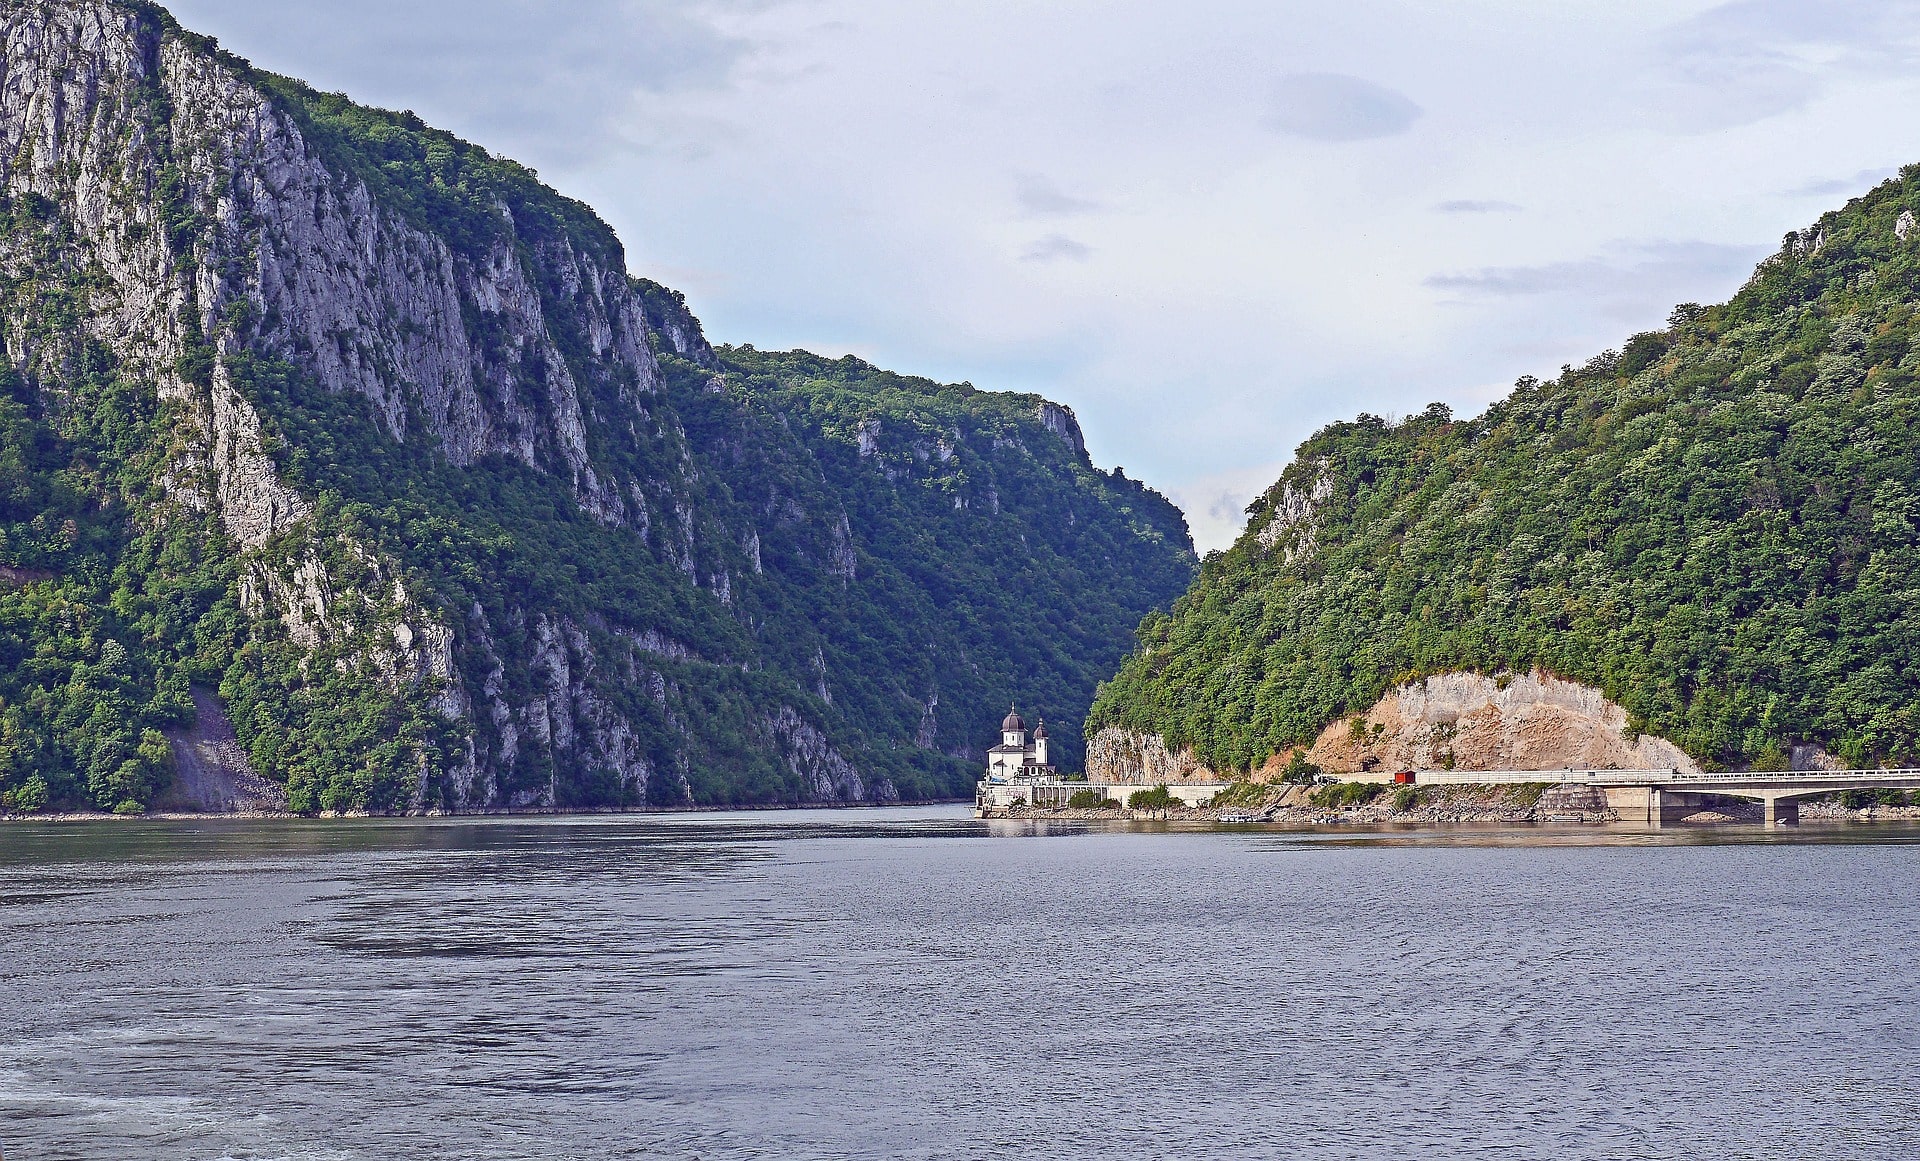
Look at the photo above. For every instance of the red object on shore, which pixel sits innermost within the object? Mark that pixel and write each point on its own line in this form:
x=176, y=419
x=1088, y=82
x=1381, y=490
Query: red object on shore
x=1404, y=778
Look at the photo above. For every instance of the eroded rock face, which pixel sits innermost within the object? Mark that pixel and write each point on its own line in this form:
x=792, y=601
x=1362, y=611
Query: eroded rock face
x=1062, y=422
x=1294, y=523
x=216, y=226
x=1121, y=756
x=1468, y=721
x=1461, y=721
x=82, y=88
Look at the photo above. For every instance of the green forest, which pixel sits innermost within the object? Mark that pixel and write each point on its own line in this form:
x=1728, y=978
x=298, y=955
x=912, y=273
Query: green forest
x=886, y=559
x=1718, y=524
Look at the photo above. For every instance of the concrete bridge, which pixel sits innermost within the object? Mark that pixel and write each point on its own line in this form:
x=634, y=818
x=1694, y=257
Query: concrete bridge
x=1657, y=796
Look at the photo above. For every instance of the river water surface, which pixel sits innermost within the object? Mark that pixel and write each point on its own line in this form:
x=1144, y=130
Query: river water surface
x=912, y=984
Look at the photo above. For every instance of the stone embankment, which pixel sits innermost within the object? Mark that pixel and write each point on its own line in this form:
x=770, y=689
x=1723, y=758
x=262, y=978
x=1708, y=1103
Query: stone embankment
x=1350, y=803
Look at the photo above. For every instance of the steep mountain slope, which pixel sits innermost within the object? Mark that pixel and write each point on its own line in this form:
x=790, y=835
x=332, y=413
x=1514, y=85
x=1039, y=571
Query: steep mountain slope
x=375, y=434
x=1718, y=526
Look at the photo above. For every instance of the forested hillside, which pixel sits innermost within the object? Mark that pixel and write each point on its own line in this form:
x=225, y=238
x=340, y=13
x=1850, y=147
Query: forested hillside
x=1717, y=524
x=375, y=436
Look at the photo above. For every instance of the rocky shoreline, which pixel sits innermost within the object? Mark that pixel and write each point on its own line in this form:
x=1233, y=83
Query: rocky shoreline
x=1314, y=806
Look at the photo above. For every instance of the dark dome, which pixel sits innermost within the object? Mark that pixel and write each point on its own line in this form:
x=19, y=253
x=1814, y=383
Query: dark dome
x=1013, y=721
x=1042, y=731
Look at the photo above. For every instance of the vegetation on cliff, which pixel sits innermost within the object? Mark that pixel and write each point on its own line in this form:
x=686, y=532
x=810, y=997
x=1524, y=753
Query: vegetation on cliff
x=1718, y=525
x=824, y=571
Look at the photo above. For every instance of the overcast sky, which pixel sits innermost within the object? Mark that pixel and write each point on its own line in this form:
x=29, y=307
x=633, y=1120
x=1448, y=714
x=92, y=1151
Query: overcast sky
x=1210, y=227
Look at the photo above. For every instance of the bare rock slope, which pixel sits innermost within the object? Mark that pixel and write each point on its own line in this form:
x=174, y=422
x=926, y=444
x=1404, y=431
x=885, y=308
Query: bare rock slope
x=1469, y=721
x=1461, y=721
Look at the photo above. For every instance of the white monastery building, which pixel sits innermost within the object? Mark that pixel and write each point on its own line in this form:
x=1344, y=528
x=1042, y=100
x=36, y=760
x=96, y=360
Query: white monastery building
x=1016, y=757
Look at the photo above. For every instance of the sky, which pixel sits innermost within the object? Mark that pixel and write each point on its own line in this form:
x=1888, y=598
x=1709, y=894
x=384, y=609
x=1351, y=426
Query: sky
x=1209, y=227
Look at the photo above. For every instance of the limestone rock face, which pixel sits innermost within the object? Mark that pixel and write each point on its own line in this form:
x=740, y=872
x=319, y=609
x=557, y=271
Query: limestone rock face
x=1062, y=422
x=364, y=301
x=1459, y=721
x=81, y=87
x=1120, y=756
x=1295, y=520
x=1468, y=721
x=238, y=238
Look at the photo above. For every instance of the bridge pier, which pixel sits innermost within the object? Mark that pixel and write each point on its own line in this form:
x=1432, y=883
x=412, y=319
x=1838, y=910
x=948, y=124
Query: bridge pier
x=1783, y=811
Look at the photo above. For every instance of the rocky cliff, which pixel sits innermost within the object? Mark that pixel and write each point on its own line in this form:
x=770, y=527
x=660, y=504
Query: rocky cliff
x=1469, y=721
x=384, y=439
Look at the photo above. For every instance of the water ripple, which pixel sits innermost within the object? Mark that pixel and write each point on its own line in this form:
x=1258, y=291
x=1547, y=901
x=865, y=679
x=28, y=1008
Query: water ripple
x=914, y=985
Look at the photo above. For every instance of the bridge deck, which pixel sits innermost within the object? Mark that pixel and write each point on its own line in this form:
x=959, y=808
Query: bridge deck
x=1675, y=779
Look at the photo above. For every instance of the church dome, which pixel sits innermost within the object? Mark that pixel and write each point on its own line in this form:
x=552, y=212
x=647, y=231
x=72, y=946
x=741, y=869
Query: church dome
x=1040, y=734
x=1013, y=721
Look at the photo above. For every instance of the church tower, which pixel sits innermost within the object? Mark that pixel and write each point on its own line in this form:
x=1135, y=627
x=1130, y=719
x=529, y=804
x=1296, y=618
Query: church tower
x=1013, y=731
x=1019, y=756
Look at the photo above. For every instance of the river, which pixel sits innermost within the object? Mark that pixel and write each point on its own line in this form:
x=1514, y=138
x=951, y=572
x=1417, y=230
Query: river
x=913, y=984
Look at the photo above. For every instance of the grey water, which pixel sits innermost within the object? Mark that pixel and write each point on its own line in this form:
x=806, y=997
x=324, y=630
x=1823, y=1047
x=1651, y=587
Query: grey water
x=913, y=984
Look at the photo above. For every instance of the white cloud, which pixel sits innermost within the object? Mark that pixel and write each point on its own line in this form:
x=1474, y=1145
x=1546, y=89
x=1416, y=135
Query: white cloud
x=1834, y=187
x=1469, y=206
x=1216, y=503
x=1750, y=60
x=1335, y=107
x=1631, y=268
x=571, y=71
x=1041, y=198
x=1054, y=248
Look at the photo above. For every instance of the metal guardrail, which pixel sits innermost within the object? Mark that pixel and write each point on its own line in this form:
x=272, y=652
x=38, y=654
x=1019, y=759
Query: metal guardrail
x=1658, y=777
x=1512, y=777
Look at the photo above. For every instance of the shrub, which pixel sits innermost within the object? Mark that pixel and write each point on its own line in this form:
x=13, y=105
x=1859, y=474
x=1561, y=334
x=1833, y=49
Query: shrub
x=1299, y=771
x=31, y=798
x=1863, y=799
x=1087, y=800
x=1241, y=794
x=1527, y=794
x=1159, y=798
x=1341, y=795
x=1405, y=799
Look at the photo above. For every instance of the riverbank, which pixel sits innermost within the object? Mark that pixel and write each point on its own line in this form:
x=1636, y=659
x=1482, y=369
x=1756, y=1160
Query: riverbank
x=1352, y=803
x=442, y=816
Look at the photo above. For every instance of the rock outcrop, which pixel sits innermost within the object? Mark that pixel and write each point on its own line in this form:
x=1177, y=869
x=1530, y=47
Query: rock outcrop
x=1468, y=721
x=217, y=229
x=1120, y=756
x=1455, y=721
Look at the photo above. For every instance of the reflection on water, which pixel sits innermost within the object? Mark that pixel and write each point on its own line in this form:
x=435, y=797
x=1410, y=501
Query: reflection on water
x=914, y=984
